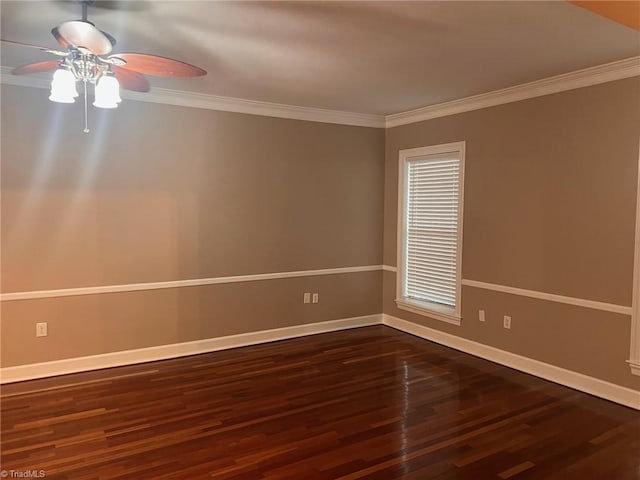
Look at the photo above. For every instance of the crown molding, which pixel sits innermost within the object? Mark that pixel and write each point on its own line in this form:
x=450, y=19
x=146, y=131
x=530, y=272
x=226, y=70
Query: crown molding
x=255, y=107
x=607, y=72
x=219, y=103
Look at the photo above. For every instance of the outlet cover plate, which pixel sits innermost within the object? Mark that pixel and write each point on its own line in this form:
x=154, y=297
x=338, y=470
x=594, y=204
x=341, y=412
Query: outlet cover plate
x=41, y=329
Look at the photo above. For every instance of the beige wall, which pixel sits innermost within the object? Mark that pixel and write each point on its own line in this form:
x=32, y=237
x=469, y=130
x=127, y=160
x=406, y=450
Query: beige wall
x=94, y=324
x=550, y=191
x=158, y=193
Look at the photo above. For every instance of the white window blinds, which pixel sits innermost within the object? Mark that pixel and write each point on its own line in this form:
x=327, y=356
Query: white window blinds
x=432, y=224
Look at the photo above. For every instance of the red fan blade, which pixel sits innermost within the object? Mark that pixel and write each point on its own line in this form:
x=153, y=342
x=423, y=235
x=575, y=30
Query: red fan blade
x=83, y=34
x=37, y=67
x=37, y=47
x=160, y=66
x=131, y=80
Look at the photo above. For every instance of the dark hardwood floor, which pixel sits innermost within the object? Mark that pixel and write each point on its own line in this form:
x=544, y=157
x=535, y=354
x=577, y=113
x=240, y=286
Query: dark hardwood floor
x=369, y=403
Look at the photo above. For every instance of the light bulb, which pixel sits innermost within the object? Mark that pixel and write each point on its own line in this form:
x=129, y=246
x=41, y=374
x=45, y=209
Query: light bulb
x=63, y=86
x=107, y=92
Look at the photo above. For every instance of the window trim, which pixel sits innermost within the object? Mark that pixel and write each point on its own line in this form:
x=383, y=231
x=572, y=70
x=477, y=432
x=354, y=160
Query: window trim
x=634, y=355
x=432, y=310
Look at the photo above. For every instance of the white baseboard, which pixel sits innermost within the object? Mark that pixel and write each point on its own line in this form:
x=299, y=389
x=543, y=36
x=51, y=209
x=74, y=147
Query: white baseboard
x=593, y=386
x=635, y=367
x=579, y=381
x=163, y=352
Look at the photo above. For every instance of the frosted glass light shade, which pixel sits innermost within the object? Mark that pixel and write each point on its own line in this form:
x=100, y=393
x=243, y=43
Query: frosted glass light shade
x=107, y=92
x=63, y=87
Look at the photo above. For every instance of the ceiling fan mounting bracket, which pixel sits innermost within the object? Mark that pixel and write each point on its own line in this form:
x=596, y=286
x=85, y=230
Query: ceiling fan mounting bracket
x=85, y=8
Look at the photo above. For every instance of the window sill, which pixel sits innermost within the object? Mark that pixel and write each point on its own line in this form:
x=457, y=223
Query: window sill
x=435, y=311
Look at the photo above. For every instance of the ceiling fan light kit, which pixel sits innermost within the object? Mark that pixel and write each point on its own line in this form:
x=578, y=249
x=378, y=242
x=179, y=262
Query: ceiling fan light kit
x=85, y=60
x=107, y=94
x=87, y=68
x=63, y=86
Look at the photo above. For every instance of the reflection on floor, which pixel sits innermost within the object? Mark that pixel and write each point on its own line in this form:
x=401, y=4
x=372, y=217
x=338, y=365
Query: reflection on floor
x=370, y=403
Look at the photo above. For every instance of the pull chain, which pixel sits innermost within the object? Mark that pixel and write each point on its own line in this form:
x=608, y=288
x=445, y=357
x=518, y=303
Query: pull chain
x=86, y=121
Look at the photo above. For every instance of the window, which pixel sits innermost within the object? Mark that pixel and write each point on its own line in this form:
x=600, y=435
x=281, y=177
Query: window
x=431, y=186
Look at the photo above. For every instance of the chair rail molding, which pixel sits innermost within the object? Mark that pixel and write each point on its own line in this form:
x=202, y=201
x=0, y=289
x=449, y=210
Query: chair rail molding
x=194, y=282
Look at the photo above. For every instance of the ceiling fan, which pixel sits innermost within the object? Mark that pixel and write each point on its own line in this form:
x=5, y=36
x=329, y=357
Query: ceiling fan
x=86, y=57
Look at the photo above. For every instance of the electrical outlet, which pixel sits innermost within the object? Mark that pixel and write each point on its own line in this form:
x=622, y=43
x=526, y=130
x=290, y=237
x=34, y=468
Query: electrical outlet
x=307, y=297
x=507, y=321
x=315, y=298
x=481, y=315
x=41, y=329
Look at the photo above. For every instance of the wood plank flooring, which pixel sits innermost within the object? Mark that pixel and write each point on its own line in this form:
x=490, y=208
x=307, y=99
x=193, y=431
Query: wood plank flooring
x=369, y=403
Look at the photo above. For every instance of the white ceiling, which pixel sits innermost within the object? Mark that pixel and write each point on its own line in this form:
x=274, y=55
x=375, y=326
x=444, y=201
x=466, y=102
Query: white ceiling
x=367, y=57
